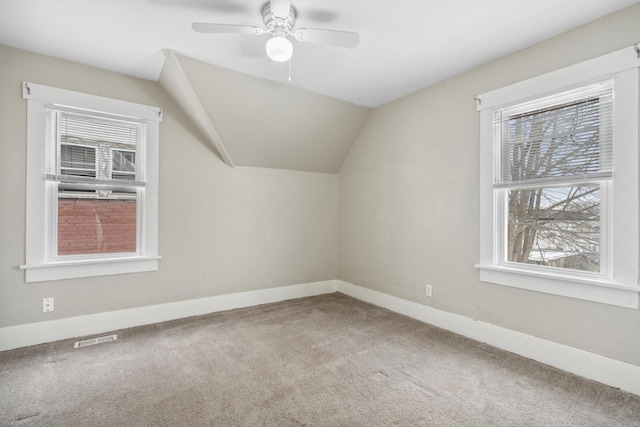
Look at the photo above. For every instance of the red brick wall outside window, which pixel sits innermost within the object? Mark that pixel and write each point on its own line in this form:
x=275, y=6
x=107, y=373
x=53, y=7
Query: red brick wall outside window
x=96, y=226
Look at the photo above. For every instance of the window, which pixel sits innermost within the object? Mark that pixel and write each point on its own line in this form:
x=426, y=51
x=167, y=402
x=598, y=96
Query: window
x=559, y=182
x=123, y=164
x=96, y=180
x=77, y=160
x=91, y=185
x=552, y=171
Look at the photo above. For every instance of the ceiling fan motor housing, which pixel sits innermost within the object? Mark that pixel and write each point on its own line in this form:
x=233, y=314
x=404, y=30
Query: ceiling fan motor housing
x=278, y=26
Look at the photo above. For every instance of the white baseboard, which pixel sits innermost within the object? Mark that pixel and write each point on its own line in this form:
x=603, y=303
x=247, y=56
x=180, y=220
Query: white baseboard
x=41, y=332
x=589, y=365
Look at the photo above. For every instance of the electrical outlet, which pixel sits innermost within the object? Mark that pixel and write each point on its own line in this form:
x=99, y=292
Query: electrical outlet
x=429, y=290
x=47, y=305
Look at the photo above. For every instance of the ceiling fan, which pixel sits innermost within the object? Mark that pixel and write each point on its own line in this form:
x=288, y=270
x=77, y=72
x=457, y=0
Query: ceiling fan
x=279, y=19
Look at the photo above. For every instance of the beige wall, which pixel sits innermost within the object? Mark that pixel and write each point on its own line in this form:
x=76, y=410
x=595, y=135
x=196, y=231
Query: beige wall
x=409, y=202
x=221, y=231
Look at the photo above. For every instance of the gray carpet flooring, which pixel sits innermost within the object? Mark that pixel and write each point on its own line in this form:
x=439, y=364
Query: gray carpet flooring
x=321, y=361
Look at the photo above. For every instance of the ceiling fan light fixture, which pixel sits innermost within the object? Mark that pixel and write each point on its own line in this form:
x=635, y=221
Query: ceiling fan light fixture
x=279, y=49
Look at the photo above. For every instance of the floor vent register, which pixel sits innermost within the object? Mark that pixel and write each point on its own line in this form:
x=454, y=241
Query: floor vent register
x=94, y=341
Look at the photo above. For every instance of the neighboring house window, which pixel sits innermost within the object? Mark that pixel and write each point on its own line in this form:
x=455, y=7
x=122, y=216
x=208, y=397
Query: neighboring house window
x=559, y=182
x=91, y=185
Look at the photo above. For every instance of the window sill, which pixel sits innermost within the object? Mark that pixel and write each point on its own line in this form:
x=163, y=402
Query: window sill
x=78, y=268
x=601, y=291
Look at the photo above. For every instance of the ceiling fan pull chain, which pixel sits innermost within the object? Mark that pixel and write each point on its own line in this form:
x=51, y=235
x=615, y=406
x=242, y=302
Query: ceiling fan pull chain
x=289, y=69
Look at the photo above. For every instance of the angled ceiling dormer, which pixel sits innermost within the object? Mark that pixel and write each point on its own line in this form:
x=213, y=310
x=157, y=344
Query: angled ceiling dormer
x=261, y=123
x=175, y=81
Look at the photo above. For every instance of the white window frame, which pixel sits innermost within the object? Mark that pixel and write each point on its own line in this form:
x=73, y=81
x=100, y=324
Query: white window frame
x=619, y=286
x=41, y=207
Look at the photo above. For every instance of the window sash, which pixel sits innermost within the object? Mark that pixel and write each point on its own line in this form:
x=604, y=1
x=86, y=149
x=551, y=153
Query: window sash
x=503, y=219
x=561, y=138
x=106, y=135
x=98, y=233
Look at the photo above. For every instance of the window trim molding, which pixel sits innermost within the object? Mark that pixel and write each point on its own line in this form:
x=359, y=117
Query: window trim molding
x=39, y=210
x=570, y=77
x=623, y=288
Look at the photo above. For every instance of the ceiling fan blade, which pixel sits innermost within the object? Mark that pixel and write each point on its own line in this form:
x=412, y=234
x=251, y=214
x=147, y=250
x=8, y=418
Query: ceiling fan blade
x=334, y=38
x=226, y=29
x=280, y=8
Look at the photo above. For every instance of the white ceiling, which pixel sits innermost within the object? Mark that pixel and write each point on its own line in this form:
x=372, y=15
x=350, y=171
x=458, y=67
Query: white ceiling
x=405, y=45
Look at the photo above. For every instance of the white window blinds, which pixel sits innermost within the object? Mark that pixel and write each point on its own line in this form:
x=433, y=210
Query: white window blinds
x=88, y=147
x=565, y=137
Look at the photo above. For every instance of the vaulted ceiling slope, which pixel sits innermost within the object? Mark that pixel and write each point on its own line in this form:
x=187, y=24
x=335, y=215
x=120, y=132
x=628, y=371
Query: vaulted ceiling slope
x=261, y=123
